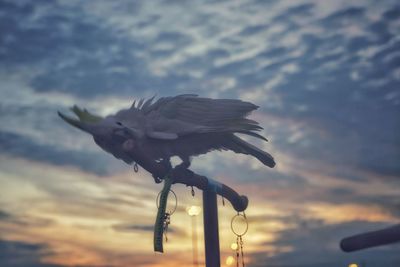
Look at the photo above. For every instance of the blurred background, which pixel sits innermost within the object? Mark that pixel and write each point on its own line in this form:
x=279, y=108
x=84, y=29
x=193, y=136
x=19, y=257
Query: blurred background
x=326, y=75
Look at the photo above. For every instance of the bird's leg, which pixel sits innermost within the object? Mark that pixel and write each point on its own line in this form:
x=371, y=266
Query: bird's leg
x=167, y=163
x=185, y=164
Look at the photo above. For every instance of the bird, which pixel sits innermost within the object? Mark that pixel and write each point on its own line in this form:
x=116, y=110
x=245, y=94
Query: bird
x=184, y=125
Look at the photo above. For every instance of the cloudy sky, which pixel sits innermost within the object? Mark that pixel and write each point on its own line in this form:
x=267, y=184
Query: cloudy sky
x=326, y=75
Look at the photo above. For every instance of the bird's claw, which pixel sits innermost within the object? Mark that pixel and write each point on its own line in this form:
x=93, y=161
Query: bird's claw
x=157, y=180
x=184, y=165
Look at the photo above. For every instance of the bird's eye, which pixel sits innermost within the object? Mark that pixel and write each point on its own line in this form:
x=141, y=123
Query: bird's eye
x=119, y=123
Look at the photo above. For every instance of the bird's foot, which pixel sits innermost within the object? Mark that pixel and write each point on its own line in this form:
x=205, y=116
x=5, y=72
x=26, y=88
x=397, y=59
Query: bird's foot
x=157, y=180
x=184, y=165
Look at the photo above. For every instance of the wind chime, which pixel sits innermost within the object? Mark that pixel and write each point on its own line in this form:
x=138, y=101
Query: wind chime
x=239, y=232
x=239, y=222
x=163, y=218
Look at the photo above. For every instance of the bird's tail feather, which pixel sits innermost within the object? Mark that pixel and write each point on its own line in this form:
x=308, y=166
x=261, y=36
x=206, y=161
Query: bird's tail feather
x=240, y=146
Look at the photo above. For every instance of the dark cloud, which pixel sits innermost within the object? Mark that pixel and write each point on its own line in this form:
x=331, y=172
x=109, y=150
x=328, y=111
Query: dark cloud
x=176, y=39
x=359, y=118
x=133, y=227
x=265, y=176
x=287, y=16
x=275, y=52
x=358, y=43
x=237, y=67
x=392, y=13
x=253, y=30
x=77, y=54
x=316, y=244
x=22, y=254
x=388, y=203
x=4, y=216
x=380, y=31
x=100, y=62
x=28, y=44
x=147, y=228
x=342, y=192
x=21, y=146
x=300, y=10
x=205, y=62
x=345, y=16
x=24, y=220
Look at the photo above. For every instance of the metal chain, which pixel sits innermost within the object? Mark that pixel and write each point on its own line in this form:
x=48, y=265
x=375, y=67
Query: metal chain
x=241, y=249
x=237, y=251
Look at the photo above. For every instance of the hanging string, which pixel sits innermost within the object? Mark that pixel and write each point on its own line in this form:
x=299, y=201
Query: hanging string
x=223, y=201
x=239, y=234
x=237, y=251
x=241, y=249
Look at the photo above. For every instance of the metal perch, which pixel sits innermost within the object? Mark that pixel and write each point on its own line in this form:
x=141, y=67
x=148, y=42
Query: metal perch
x=186, y=177
x=210, y=190
x=371, y=239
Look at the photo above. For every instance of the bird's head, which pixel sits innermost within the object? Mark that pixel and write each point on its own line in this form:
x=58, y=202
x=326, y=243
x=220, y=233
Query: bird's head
x=109, y=133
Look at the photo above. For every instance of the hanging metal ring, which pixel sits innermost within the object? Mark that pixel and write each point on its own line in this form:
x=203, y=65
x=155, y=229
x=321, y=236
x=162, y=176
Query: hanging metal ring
x=236, y=231
x=135, y=167
x=176, y=201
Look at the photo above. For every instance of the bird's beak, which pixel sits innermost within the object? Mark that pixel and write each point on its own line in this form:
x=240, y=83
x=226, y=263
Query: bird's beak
x=74, y=122
x=86, y=119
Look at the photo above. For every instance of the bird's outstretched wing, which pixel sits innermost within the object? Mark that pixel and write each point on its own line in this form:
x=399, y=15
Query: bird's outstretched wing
x=171, y=117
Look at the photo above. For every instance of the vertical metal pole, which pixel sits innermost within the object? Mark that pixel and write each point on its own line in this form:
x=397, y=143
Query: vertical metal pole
x=211, y=236
x=194, y=241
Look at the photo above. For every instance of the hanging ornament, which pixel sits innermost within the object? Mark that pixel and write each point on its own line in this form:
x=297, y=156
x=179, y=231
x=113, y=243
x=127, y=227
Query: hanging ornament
x=168, y=213
x=163, y=218
x=239, y=231
x=192, y=191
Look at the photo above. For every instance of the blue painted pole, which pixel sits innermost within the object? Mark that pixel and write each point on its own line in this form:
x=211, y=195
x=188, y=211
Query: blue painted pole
x=211, y=235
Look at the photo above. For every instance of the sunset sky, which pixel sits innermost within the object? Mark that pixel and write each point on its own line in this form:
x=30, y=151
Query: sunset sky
x=326, y=75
